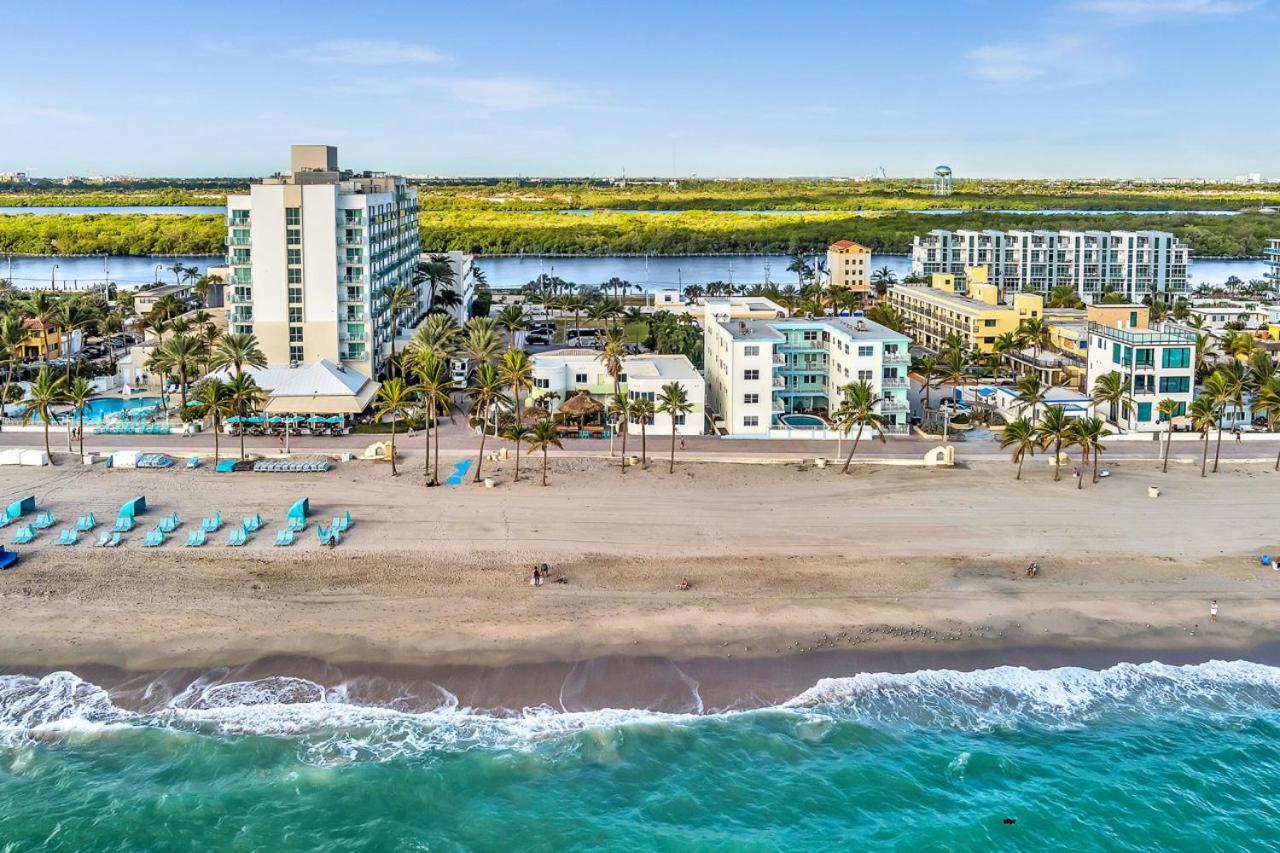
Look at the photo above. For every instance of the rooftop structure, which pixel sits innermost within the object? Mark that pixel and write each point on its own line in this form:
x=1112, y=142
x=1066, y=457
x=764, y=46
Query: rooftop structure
x=1156, y=361
x=934, y=311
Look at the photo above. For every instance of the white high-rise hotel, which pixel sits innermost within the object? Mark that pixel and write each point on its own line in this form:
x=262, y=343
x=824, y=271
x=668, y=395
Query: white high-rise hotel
x=312, y=254
x=1132, y=263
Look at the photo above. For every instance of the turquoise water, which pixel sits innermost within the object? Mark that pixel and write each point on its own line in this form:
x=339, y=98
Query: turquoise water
x=1135, y=757
x=802, y=421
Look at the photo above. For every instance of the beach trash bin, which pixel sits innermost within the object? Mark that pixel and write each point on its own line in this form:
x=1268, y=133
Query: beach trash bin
x=489, y=483
x=1153, y=491
x=820, y=462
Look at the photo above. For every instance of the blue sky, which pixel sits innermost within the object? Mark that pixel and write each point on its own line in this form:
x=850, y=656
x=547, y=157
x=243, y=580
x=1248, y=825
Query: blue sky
x=554, y=87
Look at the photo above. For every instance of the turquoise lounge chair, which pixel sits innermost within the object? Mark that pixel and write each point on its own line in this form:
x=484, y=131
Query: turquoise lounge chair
x=237, y=538
x=85, y=523
x=212, y=524
x=43, y=520
x=193, y=462
x=195, y=538
x=284, y=537
x=113, y=542
x=252, y=522
x=297, y=525
x=103, y=539
x=24, y=535
x=123, y=524
x=169, y=523
x=155, y=538
x=67, y=537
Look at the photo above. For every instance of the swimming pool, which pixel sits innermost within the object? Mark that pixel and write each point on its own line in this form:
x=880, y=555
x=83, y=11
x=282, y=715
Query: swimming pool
x=802, y=421
x=100, y=409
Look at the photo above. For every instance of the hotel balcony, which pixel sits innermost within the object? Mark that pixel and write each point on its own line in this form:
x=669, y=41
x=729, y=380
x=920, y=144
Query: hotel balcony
x=895, y=382
x=240, y=298
x=899, y=357
x=238, y=241
x=779, y=359
x=779, y=382
x=890, y=404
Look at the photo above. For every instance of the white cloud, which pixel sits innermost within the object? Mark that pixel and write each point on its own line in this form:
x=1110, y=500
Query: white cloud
x=493, y=93
x=1059, y=61
x=369, y=52
x=1148, y=10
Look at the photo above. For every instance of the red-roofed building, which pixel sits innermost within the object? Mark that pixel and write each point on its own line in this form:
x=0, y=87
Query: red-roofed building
x=43, y=341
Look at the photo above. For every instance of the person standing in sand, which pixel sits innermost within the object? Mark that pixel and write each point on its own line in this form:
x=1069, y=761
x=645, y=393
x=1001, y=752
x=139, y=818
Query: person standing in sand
x=1213, y=610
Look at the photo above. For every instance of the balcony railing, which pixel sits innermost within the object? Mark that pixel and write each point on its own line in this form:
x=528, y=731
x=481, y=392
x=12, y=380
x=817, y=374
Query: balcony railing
x=240, y=299
x=238, y=241
x=894, y=382
x=899, y=357
x=890, y=404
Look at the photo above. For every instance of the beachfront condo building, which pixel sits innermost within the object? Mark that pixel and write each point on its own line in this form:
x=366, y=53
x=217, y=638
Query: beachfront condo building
x=1272, y=254
x=849, y=265
x=559, y=375
x=1158, y=361
x=1132, y=263
x=771, y=376
x=931, y=312
x=312, y=254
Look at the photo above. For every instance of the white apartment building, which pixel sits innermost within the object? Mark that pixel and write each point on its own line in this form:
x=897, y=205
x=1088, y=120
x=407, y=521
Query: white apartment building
x=1157, y=361
x=1133, y=263
x=559, y=374
x=771, y=375
x=312, y=254
x=1216, y=315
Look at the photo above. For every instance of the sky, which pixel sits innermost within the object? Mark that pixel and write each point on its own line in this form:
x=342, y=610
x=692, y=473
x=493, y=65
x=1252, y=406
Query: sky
x=993, y=88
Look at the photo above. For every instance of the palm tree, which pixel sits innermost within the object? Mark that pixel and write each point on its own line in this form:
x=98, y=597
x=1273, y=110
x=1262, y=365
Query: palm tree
x=435, y=381
x=485, y=392
x=1003, y=345
x=518, y=434
x=395, y=399
x=801, y=268
x=45, y=392
x=1112, y=390
x=244, y=397
x=12, y=336
x=237, y=352
x=953, y=370
x=620, y=407
x=612, y=355
x=437, y=337
x=517, y=373
x=1087, y=434
x=181, y=354
x=1031, y=392
x=1267, y=401
x=641, y=410
x=211, y=399
x=1168, y=409
x=1055, y=428
x=541, y=437
x=481, y=342
x=882, y=279
x=927, y=367
x=436, y=272
x=1261, y=368
x=72, y=315
x=1021, y=436
x=78, y=395
x=857, y=408
x=1238, y=345
x=400, y=299
x=674, y=401
x=1035, y=332
x=1204, y=416
x=511, y=320
x=953, y=342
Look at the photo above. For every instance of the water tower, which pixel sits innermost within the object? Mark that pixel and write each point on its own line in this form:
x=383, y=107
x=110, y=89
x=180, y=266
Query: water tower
x=942, y=180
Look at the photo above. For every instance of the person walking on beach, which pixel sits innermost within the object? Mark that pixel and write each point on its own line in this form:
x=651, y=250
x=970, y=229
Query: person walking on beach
x=1213, y=610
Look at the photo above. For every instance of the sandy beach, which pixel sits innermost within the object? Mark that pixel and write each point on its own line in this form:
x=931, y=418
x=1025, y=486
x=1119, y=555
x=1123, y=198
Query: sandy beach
x=782, y=559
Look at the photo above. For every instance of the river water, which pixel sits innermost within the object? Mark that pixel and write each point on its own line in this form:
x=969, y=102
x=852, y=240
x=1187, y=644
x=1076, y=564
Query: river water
x=150, y=211
x=653, y=272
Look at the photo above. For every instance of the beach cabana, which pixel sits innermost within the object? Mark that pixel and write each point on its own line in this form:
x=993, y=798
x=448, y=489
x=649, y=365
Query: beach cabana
x=581, y=406
x=133, y=508
x=300, y=509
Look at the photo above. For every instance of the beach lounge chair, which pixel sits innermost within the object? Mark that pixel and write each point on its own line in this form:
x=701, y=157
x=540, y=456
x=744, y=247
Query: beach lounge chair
x=237, y=538
x=212, y=524
x=85, y=523
x=169, y=523
x=252, y=523
x=123, y=524
x=296, y=525
x=193, y=462
x=24, y=535
x=195, y=538
x=284, y=537
x=113, y=542
x=67, y=537
x=7, y=558
x=43, y=520
x=155, y=538
x=103, y=539
x=5, y=520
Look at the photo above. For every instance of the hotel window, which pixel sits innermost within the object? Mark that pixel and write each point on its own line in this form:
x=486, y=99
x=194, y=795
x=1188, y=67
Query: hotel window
x=866, y=351
x=293, y=236
x=1176, y=357
x=865, y=375
x=294, y=256
x=1144, y=411
x=679, y=420
x=295, y=334
x=750, y=399
x=750, y=351
x=295, y=353
x=810, y=335
x=542, y=383
x=1175, y=384
x=751, y=420
x=295, y=314
x=750, y=374
x=295, y=295
x=295, y=275
x=293, y=216
x=580, y=378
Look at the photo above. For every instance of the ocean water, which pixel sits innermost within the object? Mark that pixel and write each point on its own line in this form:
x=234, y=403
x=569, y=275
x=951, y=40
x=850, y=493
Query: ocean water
x=1134, y=757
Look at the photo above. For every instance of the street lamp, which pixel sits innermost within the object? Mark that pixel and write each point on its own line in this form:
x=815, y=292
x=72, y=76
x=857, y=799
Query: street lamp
x=52, y=273
x=158, y=268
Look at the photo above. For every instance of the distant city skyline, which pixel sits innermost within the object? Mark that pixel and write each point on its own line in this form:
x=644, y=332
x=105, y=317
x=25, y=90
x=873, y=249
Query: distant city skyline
x=551, y=88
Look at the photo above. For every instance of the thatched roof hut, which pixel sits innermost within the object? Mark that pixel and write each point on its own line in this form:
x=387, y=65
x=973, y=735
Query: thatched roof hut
x=581, y=405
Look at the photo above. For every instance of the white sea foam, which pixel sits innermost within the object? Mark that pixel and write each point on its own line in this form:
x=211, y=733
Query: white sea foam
x=340, y=725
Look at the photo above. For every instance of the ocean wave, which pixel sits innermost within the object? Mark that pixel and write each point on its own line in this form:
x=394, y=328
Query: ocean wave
x=364, y=720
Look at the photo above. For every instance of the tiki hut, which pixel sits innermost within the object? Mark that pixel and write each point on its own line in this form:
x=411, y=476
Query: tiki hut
x=581, y=406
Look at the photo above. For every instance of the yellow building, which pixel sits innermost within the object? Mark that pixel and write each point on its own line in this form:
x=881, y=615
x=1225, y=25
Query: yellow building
x=934, y=311
x=850, y=267
x=43, y=341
